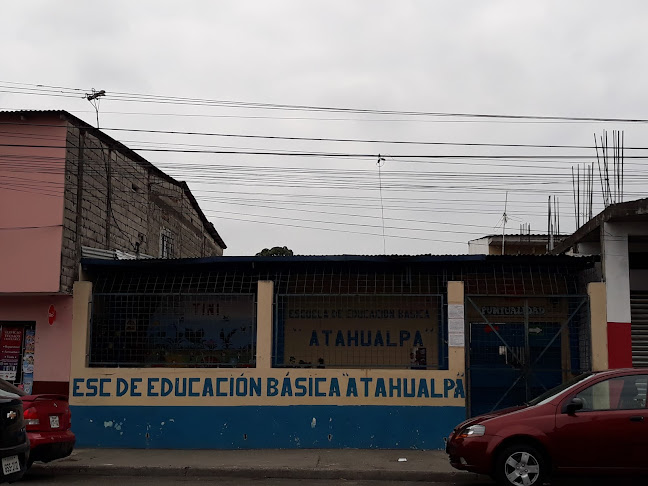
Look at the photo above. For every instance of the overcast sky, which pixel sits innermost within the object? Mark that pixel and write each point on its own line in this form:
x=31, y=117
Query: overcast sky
x=553, y=58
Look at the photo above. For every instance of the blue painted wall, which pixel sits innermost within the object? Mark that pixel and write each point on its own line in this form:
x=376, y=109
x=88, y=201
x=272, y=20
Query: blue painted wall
x=275, y=427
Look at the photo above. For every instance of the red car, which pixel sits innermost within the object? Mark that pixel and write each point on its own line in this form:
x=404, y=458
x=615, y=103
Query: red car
x=48, y=421
x=595, y=423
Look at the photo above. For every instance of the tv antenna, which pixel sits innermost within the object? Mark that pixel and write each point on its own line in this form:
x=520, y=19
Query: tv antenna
x=94, y=98
x=553, y=222
x=504, y=221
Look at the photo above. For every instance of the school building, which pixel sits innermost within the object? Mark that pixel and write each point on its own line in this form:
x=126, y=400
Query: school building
x=322, y=351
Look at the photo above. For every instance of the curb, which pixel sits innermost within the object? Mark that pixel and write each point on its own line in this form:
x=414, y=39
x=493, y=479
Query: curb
x=246, y=472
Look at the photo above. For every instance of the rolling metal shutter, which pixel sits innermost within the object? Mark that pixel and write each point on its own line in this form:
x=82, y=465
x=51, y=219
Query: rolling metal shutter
x=639, y=310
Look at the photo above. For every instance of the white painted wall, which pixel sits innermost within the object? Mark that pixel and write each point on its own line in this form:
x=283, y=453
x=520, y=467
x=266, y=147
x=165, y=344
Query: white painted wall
x=478, y=247
x=616, y=270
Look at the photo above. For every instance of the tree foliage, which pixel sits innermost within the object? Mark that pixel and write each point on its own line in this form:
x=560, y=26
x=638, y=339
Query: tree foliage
x=276, y=251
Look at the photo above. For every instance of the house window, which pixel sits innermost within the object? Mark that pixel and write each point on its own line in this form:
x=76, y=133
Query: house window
x=166, y=244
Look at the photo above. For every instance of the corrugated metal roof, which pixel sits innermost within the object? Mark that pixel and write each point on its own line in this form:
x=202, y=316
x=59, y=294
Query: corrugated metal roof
x=101, y=254
x=376, y=259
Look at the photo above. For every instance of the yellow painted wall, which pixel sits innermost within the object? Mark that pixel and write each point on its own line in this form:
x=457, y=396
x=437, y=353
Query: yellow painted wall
x=265, y=294
x=276, y=386
x=456, y=327
x=598, y=326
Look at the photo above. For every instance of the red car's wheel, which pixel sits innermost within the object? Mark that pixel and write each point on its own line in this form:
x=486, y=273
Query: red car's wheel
x=521, y=465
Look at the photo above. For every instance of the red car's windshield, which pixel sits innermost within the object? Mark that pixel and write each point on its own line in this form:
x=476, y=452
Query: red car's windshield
x=558, y=389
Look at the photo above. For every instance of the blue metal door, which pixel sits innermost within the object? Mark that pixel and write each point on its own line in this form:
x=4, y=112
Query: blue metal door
x=519, y=347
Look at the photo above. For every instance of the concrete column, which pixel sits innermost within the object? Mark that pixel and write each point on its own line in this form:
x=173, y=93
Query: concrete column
x=82, y=295
x=598, y=325
x=616, y=272
x=265, y=297
x=456, y=328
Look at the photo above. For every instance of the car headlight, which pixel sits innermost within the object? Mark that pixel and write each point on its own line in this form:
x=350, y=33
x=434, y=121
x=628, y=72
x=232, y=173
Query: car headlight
x=473, y=431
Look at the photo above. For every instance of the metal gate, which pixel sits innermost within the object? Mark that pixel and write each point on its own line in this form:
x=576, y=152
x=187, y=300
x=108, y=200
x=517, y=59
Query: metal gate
x=639, y=310
x=519, y=347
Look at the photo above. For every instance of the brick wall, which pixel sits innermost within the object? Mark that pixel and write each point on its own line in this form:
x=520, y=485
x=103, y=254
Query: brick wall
x=113, y=202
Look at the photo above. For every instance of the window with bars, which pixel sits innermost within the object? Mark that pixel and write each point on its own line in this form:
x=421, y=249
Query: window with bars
x=166, y=244
x=360, y=331
x=167, y=330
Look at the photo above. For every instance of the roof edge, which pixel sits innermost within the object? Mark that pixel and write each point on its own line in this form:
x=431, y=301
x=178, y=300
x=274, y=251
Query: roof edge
x=613, y=211
x=384, y=259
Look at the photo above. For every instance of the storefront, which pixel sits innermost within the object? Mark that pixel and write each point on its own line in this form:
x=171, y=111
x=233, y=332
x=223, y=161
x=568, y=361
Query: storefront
x=35, y=345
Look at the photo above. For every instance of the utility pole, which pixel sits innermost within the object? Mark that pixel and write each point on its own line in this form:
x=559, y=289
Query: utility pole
x=380, y=163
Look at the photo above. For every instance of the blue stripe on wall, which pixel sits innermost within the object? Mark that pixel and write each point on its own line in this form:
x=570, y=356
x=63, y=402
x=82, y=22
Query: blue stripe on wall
x=270, y=427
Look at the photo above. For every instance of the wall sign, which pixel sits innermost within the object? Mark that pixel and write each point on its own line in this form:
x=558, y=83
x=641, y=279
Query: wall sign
x=218, y=390
x=361, y=331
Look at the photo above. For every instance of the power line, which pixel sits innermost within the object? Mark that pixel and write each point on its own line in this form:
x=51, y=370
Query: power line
x=317, y=139
x=337, y=230
x=343, y=155
x=31, y=89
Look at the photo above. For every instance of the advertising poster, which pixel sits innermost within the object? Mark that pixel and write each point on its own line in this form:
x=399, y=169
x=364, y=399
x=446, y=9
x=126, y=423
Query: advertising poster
x=28, y=357
x=28, y=382
x=10, y=351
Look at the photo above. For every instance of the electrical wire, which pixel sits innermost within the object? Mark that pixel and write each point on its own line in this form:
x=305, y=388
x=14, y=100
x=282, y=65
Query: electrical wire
x=40, y=89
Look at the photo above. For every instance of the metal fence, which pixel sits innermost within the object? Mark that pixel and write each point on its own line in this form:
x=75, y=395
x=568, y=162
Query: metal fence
x=327, y=313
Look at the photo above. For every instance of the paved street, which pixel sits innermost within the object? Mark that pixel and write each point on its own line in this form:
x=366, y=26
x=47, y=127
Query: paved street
x=42, y=478
x=48, y=479
x=294, y=467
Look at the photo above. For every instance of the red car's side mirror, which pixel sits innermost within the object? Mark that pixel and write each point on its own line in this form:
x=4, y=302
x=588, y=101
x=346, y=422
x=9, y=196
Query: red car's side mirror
x=573, y=405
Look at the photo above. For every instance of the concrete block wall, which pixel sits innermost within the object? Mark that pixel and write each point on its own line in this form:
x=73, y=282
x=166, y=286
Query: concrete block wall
x=166, y=210
x=123, y=205
x=170, y=209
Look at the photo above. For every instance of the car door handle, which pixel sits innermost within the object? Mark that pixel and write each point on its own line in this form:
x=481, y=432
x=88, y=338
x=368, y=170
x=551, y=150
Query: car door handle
x=636, y=418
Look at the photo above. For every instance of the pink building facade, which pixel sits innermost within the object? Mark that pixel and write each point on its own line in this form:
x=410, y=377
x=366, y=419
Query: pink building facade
x=65, y=187
x=32, y=179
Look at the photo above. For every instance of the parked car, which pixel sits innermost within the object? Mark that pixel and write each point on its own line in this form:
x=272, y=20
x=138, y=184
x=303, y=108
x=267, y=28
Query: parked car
x=48, y=421
x=595, y=423
x=14, y=444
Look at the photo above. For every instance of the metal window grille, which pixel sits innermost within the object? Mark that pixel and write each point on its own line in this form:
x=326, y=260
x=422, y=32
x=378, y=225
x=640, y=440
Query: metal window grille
x=166, y=244
x=204, y=330
x=124, y=294
x=360, y=331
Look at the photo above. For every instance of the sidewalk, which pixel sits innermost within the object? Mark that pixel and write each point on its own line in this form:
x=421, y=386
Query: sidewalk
x=352, y=464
